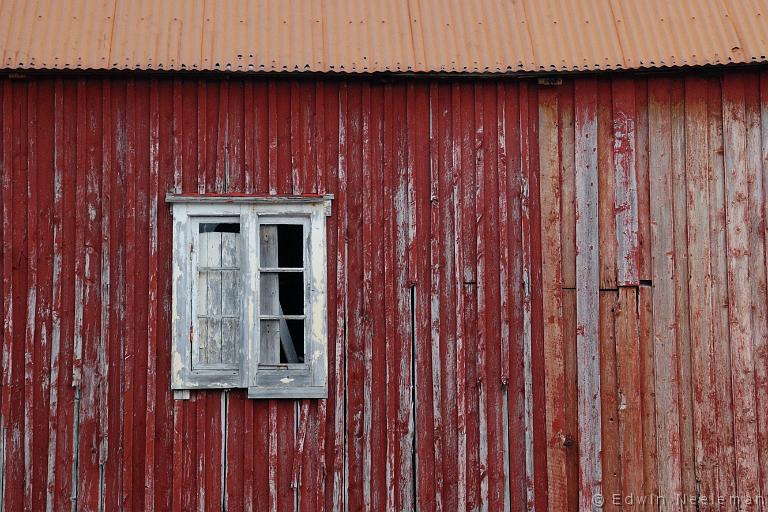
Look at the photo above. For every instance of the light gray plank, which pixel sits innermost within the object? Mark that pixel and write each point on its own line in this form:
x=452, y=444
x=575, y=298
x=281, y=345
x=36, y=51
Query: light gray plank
x=270, y=342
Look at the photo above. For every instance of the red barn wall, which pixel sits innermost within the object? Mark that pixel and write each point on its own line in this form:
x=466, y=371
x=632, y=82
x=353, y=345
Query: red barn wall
x=537, y=293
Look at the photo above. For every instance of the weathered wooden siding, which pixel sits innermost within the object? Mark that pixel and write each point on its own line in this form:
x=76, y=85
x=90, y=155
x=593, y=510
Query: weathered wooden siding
x=537, y=293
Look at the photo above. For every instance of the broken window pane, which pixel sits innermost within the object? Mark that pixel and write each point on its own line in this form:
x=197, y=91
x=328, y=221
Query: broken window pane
x=282, y=293
x=282, y=245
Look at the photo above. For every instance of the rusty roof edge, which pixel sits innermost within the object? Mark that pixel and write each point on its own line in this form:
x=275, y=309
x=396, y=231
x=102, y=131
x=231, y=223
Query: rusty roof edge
x=223, y=74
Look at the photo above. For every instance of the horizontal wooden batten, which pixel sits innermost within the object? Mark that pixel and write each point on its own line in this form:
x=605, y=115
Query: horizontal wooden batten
x=536, y=293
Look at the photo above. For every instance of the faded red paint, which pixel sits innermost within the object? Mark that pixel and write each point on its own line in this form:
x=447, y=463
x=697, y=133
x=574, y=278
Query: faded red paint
x=452, y=254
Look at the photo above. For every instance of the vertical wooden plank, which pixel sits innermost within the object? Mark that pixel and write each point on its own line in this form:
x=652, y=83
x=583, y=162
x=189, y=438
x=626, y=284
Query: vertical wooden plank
x=45, y=179
x=629, y=384
x=571, y=398
x=14, y=404
x=648, y=390
x=126, y=369
x=757, y=269
x=761, y=350
x=389, y=298
x=337, y=495
x=681, y=284
x=405, y=498
x=549, y=165
x=605, y=177
x=726, y=477
x=740, y=317
x=568, y=269
x=31, y=350
x=7, y=345
x=494, y=381
x=482, y=334
x=104, y=285
x=429, y=484
x=65, y=126
x=568, y=186
x=88, y=307
x=700, y=284
x=587, y=291
x=527, y=154
x=625, y=182
x=643, y=184
x=7, y=281
x=152, y=341
x=609, y=401
x=537, y=312
x=666, y=352
x=378, y=437
x=355, y=371
x=434, y=298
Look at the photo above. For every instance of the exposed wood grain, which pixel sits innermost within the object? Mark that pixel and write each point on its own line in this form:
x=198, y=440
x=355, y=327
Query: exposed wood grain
x=642, y=156
x=549, y=165
x=625, y=182
x=739, y=301
x=681, y=285
x=757, y=265
x=700, y=284
x=587, y=292
x=726, y=477
x=526, y=247
x=648, y=390
x=609, y=400
x=629, y=382
x=606, y=176
x=666, y=352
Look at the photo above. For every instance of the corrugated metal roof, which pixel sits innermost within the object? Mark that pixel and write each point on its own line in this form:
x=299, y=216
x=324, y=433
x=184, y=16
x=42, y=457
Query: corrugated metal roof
x=380, y=35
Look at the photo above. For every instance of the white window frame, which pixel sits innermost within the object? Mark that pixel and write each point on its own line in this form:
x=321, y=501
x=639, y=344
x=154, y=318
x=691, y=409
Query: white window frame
x=279, y=380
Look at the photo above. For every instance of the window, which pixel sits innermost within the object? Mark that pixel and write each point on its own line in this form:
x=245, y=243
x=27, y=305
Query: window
x=249, y=295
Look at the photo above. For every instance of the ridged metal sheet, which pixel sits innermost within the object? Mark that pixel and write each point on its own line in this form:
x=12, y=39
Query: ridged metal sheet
x=390, y=35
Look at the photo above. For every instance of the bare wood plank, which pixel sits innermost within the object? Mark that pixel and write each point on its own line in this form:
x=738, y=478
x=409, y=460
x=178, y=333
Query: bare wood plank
x=629, y=383
x=739, y=300
x=648, y=391
x=571, y=398
x=606, y=231
x=625, y=182
x=757, y=262
x=609, y=400
x=726, y=477
x=643, y=183
x=568, y=186
x=525, y=207
x=681, y=285
x=667, y=387
x=482, y=336
x=700, y=284
x=549, y=165
x=761, y=349
x=153, y=296
x=587, y=291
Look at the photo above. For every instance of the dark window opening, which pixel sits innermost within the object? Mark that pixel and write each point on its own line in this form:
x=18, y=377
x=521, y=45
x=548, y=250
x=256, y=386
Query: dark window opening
x=220, y=227
x=292, y=292
x=290, y=246
x=295, y=338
